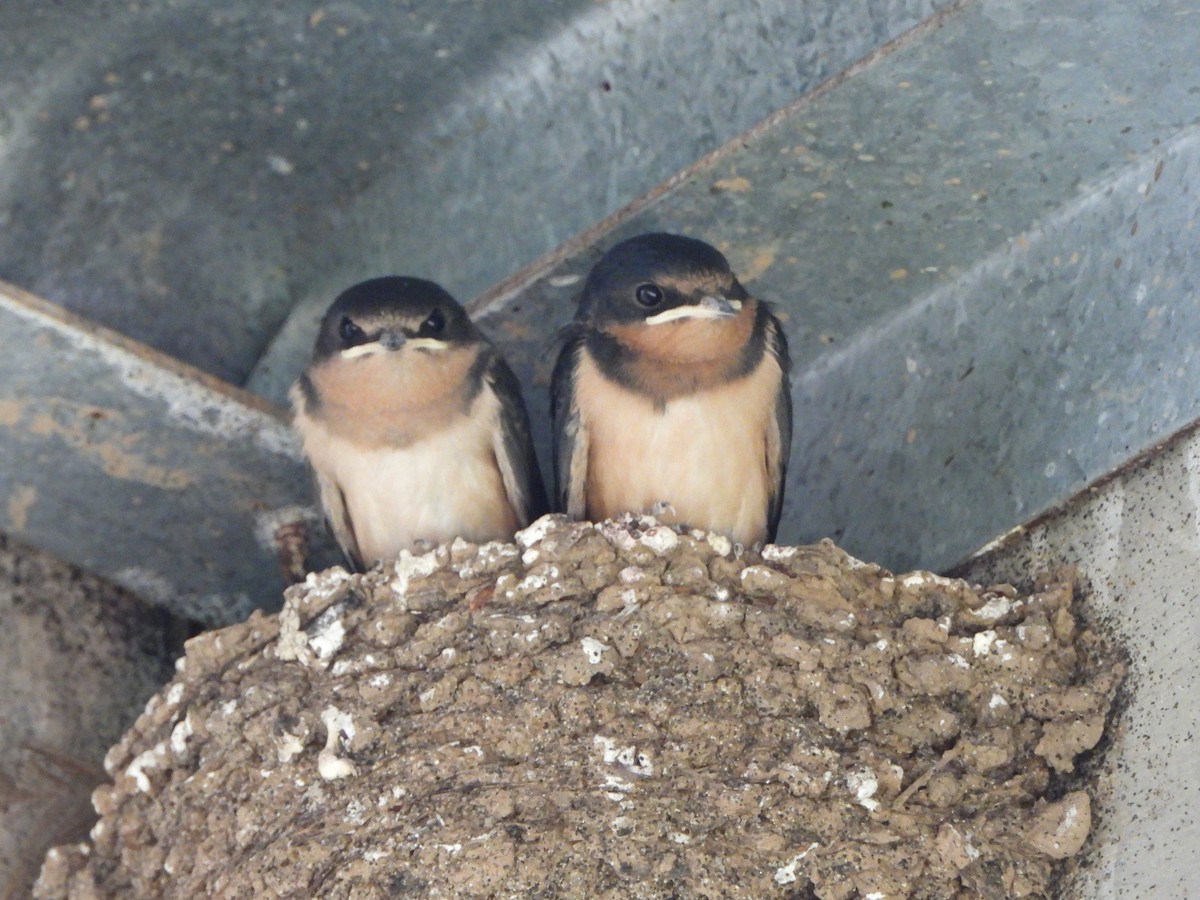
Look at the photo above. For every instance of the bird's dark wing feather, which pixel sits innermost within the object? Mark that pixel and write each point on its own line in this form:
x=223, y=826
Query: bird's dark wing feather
x=570, y=433
x=779, y=438
x=513, y=445
x=337, y=520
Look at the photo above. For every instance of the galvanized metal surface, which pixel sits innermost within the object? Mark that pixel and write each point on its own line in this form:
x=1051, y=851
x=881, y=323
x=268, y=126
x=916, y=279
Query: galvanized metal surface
x=186, y=171
x=164, y=481
x=984, y=242
x=1136, y=538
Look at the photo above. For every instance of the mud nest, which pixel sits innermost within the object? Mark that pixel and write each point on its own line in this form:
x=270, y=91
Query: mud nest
x=613, y=711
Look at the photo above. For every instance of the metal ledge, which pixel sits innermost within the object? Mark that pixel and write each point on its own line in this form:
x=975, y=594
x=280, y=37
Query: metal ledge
x=983, y=239
x=154, y=475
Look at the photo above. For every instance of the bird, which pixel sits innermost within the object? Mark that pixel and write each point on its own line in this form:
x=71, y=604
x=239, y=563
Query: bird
x=670, y=394
x=413, y=424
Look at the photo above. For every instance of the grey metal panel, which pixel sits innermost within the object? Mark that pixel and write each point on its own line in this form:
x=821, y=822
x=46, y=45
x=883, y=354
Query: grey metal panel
x=159, y=478
x=187, y=170
x=1135, y=538
x=978, y=326
x=983, y=242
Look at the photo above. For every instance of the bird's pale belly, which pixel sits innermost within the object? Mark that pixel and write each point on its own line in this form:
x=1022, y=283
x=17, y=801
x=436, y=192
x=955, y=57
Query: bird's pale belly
x=703, y=457
x=439, y=488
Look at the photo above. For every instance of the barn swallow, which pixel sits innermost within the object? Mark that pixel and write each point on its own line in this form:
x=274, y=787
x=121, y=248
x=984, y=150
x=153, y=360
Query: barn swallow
x=671, y=395
x=413, y=424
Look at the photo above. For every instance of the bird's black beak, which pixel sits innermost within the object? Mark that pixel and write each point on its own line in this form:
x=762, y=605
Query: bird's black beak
x=392, y=340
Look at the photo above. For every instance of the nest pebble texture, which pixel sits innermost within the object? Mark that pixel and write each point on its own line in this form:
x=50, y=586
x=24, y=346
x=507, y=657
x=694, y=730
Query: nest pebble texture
x=613, y=711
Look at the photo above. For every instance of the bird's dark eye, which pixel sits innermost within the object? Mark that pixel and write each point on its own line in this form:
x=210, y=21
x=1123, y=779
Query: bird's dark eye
x=349, y=332
x=649, y=295
x=435, y=323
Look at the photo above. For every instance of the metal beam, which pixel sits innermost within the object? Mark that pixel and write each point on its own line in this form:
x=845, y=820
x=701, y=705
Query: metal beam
x=128, y=463
x=983, y=239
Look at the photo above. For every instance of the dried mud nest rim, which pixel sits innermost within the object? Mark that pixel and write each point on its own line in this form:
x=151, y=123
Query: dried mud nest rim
x=613, y=710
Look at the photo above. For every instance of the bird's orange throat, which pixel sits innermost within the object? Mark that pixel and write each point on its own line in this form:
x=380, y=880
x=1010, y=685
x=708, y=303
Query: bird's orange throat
x=686, y=355
x=392, y=399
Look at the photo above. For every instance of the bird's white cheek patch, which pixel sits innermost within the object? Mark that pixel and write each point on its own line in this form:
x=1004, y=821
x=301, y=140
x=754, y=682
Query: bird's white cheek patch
x=362, y=350
x=427, y=344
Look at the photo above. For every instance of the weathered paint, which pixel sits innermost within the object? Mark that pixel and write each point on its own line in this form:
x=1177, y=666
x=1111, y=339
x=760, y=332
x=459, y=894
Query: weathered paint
x=121, y=460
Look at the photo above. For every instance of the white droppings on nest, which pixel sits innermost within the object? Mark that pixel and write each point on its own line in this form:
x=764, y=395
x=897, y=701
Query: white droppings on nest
x=997, y=702
x=660, y=539
x=531, y=583
x=488, y=557
x=993, y=609
x=981, y=644
x=637, y=762
x=864, y=783
x=356, y=812
x=228, y=708
x=150, y=759
x=615, y=788
x=536, y=532
x=180, y=734
x=593, y=650
x=622, y=825
x=721, y=545
x=881, y=644
x=530, y=556
x=631, y=575
x=408, y=567
x=629, y=531
x=312, y=646
x=327, y=633
x=786, y=874
x=320, y=586
x=679, y=837
x=292, y=642
x=854, y=563
x=921, y=578
x=287, y=747
x=175, y=694
x=383, y=679
x=957, y=660
x=329, y=764
x=776, y=553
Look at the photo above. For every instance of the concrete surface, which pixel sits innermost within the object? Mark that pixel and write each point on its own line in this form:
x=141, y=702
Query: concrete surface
x=1135, y=538
x=80, y=658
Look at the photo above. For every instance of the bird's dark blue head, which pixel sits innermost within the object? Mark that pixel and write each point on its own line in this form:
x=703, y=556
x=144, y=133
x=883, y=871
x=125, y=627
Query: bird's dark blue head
x=390, y=313
x=660, y=277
